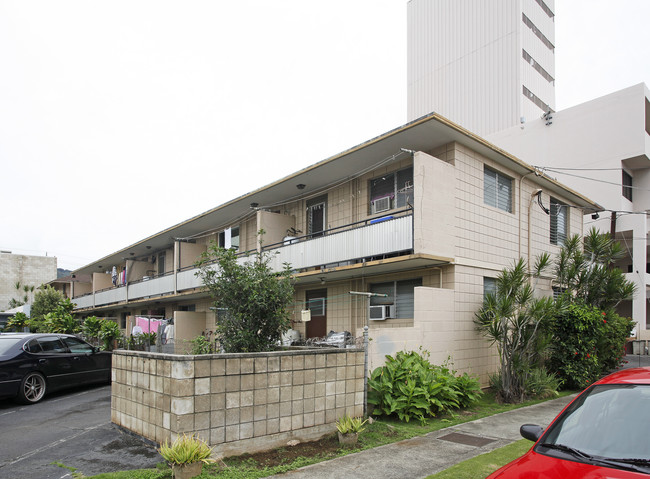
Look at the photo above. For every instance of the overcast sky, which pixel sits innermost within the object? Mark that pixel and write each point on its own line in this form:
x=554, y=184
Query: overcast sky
x=119, y=119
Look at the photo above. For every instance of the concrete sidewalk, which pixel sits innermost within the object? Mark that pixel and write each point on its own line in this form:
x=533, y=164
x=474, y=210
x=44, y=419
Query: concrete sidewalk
x=425, y=455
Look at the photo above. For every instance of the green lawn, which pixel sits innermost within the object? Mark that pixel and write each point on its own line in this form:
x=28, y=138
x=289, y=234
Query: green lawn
x=480, y=467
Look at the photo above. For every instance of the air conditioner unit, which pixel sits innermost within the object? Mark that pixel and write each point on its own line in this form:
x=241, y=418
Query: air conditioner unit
x=380, y=313
x=381, y=204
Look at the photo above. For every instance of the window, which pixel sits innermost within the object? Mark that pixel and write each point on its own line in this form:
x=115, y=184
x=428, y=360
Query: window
x=489, y=286
x=394, y=190
x=229, y=238
x=77, y=346
x=559, y=222
x=400, y=294
x=51, y=344
x=161, y=263
x=317, y=216
x=187, y=307
x=497, y=190
x=627, y=185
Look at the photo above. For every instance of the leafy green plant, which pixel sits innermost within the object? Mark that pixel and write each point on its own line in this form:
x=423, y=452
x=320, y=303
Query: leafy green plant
x=541, y=384
x=201, y=345
x=109, y=332
x=61, y=320
x=18, y=322
x=254, y=299
x=587, y=343
x=91, y=327
x=409, y=386
x=186, y=450
x=350, y=425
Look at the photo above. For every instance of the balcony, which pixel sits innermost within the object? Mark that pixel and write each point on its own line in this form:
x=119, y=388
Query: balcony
x=368, y=239
x=371, y=238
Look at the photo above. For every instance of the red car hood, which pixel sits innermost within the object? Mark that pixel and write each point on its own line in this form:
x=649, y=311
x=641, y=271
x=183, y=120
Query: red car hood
x=537, y=466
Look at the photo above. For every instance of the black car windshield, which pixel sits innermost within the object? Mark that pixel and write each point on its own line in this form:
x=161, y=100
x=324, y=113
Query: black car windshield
x=7, y=343
x=608, y=422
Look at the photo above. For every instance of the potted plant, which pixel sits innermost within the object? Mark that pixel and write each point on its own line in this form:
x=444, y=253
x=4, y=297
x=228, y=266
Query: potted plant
x=349, y=429
x=186, y=455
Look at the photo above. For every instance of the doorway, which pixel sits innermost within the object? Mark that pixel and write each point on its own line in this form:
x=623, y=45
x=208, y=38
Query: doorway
x=317, y=303
x=316, y=216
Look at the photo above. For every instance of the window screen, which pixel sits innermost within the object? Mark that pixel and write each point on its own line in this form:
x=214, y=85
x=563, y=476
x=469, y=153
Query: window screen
x=489, y=286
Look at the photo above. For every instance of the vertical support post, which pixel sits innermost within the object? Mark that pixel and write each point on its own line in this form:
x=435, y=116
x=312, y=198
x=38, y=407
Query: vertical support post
x=365, y=370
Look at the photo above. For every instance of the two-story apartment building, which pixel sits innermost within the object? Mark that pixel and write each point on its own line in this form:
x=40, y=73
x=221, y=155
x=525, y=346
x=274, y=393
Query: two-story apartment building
x=427, y=214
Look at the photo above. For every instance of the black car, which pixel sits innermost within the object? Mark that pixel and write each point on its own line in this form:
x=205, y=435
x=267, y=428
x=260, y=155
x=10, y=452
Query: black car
x=32, y=365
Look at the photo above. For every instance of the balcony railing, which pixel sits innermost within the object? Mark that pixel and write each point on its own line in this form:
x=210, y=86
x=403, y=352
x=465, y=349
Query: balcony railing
x=371, y=238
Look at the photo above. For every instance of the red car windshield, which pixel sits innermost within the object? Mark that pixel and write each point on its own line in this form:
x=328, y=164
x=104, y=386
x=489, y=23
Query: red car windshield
x=608, y=422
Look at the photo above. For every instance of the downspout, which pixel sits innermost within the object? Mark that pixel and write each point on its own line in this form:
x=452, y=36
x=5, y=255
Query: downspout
x=530, y=207
x=521, y=181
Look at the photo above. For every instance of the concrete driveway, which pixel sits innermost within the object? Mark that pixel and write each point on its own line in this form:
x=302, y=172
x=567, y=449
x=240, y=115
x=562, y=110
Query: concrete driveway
x=72, y=428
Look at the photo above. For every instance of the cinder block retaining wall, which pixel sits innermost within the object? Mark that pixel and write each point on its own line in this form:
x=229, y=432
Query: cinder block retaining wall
x=237, y=402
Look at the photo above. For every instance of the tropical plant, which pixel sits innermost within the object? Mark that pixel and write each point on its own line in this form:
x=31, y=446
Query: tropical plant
x=584, y=271
x=350, y=425
x=409, y=386
x=60, y=320
x=254, y=297
x=512, y=319
x=109, y=332
x=17, y=322
x=91, y=327
x=186, y=450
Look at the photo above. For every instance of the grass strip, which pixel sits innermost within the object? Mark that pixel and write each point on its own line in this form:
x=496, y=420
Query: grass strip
x=481, y=466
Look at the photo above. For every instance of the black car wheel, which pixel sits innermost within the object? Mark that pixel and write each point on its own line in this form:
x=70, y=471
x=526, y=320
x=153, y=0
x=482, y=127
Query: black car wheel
x=32, y=389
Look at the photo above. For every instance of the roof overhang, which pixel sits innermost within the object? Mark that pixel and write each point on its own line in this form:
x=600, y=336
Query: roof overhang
x=423, y=134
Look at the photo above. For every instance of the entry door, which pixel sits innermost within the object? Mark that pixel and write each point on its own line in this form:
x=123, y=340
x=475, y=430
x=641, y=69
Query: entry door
x=316, y=216
x=317, y=304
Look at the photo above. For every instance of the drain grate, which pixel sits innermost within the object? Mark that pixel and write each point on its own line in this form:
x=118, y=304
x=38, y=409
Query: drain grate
x=466, y=439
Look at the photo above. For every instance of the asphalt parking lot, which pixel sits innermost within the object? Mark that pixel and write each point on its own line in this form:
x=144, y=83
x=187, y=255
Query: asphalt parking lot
x=72, y=429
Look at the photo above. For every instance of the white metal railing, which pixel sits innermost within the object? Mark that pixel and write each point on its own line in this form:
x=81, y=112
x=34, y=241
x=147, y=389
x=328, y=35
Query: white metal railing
x=373, y=240
x=114, y=295
x=152, y=287
x=378, y=239
x=83, y=301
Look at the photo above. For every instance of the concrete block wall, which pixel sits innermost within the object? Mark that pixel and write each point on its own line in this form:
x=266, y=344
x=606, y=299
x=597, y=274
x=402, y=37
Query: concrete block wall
x=237, y=402
x=28, y=270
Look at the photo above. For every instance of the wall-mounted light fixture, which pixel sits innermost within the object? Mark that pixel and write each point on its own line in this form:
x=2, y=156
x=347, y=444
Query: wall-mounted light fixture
x=300, y=186
x=595, y=216
x=254, y=205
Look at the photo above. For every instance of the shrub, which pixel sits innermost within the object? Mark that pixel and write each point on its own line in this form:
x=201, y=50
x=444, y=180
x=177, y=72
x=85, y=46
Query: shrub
x=91, y=327
x=587, y=343
x=411, y=387
x=350, y=425
x=254, y=298
x=541, y=384
x=18, y=322
x=201, y=345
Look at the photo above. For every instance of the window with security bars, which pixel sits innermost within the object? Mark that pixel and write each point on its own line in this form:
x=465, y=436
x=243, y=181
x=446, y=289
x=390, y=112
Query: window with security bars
x=497, y=190
x=559, y=222
x=401, y=294
x=627, y=185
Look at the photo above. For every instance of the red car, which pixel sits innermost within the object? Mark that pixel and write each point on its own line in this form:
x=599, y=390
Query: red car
x=603, y=433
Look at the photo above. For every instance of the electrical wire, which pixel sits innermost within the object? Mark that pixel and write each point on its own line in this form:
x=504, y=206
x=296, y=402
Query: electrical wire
x=557, y=170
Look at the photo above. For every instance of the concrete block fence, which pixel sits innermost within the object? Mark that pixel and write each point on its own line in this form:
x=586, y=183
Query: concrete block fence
x=237, y=402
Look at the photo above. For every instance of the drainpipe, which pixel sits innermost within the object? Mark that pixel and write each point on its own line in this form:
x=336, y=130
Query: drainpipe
x=521, y=181
x=530, y=207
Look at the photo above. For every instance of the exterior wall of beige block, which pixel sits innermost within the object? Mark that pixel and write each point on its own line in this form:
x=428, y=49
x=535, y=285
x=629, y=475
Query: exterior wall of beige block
x=28, y=270
x=238, y=402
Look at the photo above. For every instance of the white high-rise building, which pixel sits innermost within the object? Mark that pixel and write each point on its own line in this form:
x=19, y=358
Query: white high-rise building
x=486, y=65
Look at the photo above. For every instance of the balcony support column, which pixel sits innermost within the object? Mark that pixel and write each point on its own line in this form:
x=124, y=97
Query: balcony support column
x=177, y=263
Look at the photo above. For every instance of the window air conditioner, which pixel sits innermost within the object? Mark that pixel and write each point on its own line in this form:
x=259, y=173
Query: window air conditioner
x=380, y=313
x=381, y=204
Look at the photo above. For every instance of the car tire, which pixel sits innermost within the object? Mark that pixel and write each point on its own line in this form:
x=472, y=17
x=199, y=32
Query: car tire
x=32, y=388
